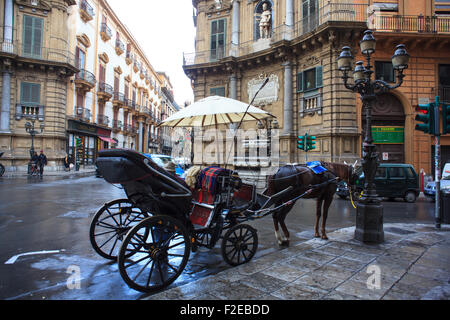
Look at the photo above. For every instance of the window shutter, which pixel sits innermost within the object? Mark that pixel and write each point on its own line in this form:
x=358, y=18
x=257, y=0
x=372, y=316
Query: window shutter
x=300, y=82
x=27, y=34
x=30, y=93
x=319, y=77
x=37, y=36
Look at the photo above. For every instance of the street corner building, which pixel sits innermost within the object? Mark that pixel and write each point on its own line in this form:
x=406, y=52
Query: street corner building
x=296, y=44
x=75, y=73
x=36, y=65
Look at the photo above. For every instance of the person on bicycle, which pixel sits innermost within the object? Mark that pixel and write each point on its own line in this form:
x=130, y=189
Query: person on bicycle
x=42, y=161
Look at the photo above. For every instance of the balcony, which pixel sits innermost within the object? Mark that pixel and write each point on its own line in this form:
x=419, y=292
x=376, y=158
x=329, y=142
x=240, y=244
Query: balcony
x=84, y=80
x=340, y=14
x=117, y=126
x=136, y=66
x=38, y=55
x=120, y=47
x=105, y=32
x=102, y=120
x=129, y=58
x=29, y=111
x=83, y=114
x=105, y=91
x=130, y=104
x=118, y=99
x=87, y=13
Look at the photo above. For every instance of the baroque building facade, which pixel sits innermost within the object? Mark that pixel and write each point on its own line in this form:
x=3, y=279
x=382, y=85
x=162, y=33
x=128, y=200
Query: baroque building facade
x=115, y=98
x=298, y=51
x=36, y=64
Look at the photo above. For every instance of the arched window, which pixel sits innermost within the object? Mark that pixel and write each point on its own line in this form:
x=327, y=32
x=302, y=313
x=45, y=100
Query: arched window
x=257, y=17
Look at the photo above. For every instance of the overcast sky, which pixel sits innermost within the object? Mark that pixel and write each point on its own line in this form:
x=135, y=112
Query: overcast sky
x=164, y=30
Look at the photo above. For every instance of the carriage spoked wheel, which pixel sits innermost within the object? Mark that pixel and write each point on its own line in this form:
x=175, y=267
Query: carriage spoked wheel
x=239, y=244
x=154, y=253
x=110, y=225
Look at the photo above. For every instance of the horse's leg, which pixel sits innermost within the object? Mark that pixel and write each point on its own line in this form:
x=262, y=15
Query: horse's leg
x=282, y=217
x=275, y=217
x=326, y=205
x=318, y=214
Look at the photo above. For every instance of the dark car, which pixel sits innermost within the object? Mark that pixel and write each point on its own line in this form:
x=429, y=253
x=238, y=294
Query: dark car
x=394, y=180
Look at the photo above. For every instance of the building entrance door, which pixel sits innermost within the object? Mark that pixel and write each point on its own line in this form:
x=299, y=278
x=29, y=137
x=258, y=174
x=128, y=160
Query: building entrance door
x=388, y=128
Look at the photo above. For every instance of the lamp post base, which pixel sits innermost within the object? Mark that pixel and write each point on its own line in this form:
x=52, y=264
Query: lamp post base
x=369, y=222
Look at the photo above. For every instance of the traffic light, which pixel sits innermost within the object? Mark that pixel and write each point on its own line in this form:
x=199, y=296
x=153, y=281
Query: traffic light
x=427, y=117
x=301, y=142
x=310, y=143
x=445, y=119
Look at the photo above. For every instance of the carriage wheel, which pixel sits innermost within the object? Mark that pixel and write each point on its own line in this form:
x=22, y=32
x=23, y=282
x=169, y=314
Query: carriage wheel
x=239, y=244
x=150, y=263
x=2, y=170
x=110, y=225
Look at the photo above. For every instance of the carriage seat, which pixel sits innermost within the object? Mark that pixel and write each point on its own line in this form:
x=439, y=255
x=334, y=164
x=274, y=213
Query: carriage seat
x=209, y=184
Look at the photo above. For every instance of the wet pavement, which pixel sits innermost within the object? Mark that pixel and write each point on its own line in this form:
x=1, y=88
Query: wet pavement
x=412, y=264
x=44, y=232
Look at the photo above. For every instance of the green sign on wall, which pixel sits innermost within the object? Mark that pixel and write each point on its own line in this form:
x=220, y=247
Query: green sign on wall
x=388, y=135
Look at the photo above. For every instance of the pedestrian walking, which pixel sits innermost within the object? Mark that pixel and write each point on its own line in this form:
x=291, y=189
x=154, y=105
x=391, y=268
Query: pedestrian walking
x=42, y=161
x=66, y=163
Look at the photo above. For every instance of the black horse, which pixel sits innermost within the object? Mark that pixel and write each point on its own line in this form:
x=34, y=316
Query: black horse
x=302, y=178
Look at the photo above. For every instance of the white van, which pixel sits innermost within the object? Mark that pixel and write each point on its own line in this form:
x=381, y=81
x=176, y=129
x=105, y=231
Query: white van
x=446, y=171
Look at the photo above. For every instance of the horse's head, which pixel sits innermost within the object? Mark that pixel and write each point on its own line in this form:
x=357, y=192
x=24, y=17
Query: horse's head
x=352, y=174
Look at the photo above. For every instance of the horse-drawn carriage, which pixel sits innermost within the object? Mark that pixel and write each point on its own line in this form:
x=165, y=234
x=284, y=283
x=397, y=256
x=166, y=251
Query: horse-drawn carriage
x=152, y=232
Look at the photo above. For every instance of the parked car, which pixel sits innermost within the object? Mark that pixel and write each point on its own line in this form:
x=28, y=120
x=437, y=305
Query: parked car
x=162, y=160
x=430, y=189
x=392, y=180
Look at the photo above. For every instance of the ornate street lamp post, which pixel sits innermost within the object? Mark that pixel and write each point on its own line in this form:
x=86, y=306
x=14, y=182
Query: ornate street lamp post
x=29, y=127
x=369, y=216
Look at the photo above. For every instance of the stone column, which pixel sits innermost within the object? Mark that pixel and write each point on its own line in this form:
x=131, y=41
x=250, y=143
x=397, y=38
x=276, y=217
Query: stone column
x=288, y=106
x=141, y=137
x=289, y=13
x=235, y=28
x=233, y=86
x=8, y=27
x=235, y=25
x=6, y=102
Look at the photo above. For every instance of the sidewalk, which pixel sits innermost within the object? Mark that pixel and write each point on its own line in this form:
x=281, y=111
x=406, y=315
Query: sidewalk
x=412, y=264
x=47, y=173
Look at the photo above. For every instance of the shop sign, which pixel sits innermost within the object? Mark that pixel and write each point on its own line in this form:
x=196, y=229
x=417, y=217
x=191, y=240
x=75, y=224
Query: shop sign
x=388, y=135
x=82, y=127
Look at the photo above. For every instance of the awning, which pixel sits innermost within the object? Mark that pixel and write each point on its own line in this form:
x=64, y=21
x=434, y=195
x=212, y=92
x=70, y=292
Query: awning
x=110, y=140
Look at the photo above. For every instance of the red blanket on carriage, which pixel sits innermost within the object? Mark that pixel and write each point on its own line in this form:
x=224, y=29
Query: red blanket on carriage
x=207, y=182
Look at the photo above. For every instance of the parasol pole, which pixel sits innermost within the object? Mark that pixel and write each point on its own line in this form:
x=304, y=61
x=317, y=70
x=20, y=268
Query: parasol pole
x=242, y=119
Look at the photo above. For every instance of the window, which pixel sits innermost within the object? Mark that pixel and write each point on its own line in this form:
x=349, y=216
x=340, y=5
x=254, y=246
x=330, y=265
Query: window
x=381, y=173
x=218, y=38
x=384, y=71
x=409, y=173
x=220, y=91
x=444, y=82
x=32, y=36
x=309, y=15
x=396, y=173
x=30, y=93
x=311, y=79
x=80, y=58
x=442, y=7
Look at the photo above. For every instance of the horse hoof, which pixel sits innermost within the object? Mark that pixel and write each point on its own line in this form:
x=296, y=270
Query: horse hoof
x=284, y=243
x=324, y=238
x=317, y=236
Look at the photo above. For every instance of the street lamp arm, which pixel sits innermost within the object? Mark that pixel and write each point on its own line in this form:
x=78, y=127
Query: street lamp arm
x=381, y=86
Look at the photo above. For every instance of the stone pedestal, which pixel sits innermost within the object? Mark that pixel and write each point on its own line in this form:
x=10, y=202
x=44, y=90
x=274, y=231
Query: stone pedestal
x=369, y=222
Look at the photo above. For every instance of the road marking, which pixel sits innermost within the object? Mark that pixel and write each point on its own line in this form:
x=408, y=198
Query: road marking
x=13, y=259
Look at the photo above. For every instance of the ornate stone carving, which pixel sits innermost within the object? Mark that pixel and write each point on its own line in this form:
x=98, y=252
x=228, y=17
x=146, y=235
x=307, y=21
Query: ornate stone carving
x=269, y=94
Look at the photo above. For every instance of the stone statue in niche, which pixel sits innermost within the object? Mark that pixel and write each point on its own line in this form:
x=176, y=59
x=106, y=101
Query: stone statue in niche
x=265, y=24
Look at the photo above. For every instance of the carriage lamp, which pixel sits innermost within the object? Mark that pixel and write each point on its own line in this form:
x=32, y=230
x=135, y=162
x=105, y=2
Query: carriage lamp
x=400, y=58
x=369, y=215
x=368, y=43
x=345, y=59
x=360, y=72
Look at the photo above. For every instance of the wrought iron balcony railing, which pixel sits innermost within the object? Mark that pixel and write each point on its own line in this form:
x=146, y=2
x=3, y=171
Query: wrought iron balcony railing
x=105, y=88
x=86, y=76
x=86, y=7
